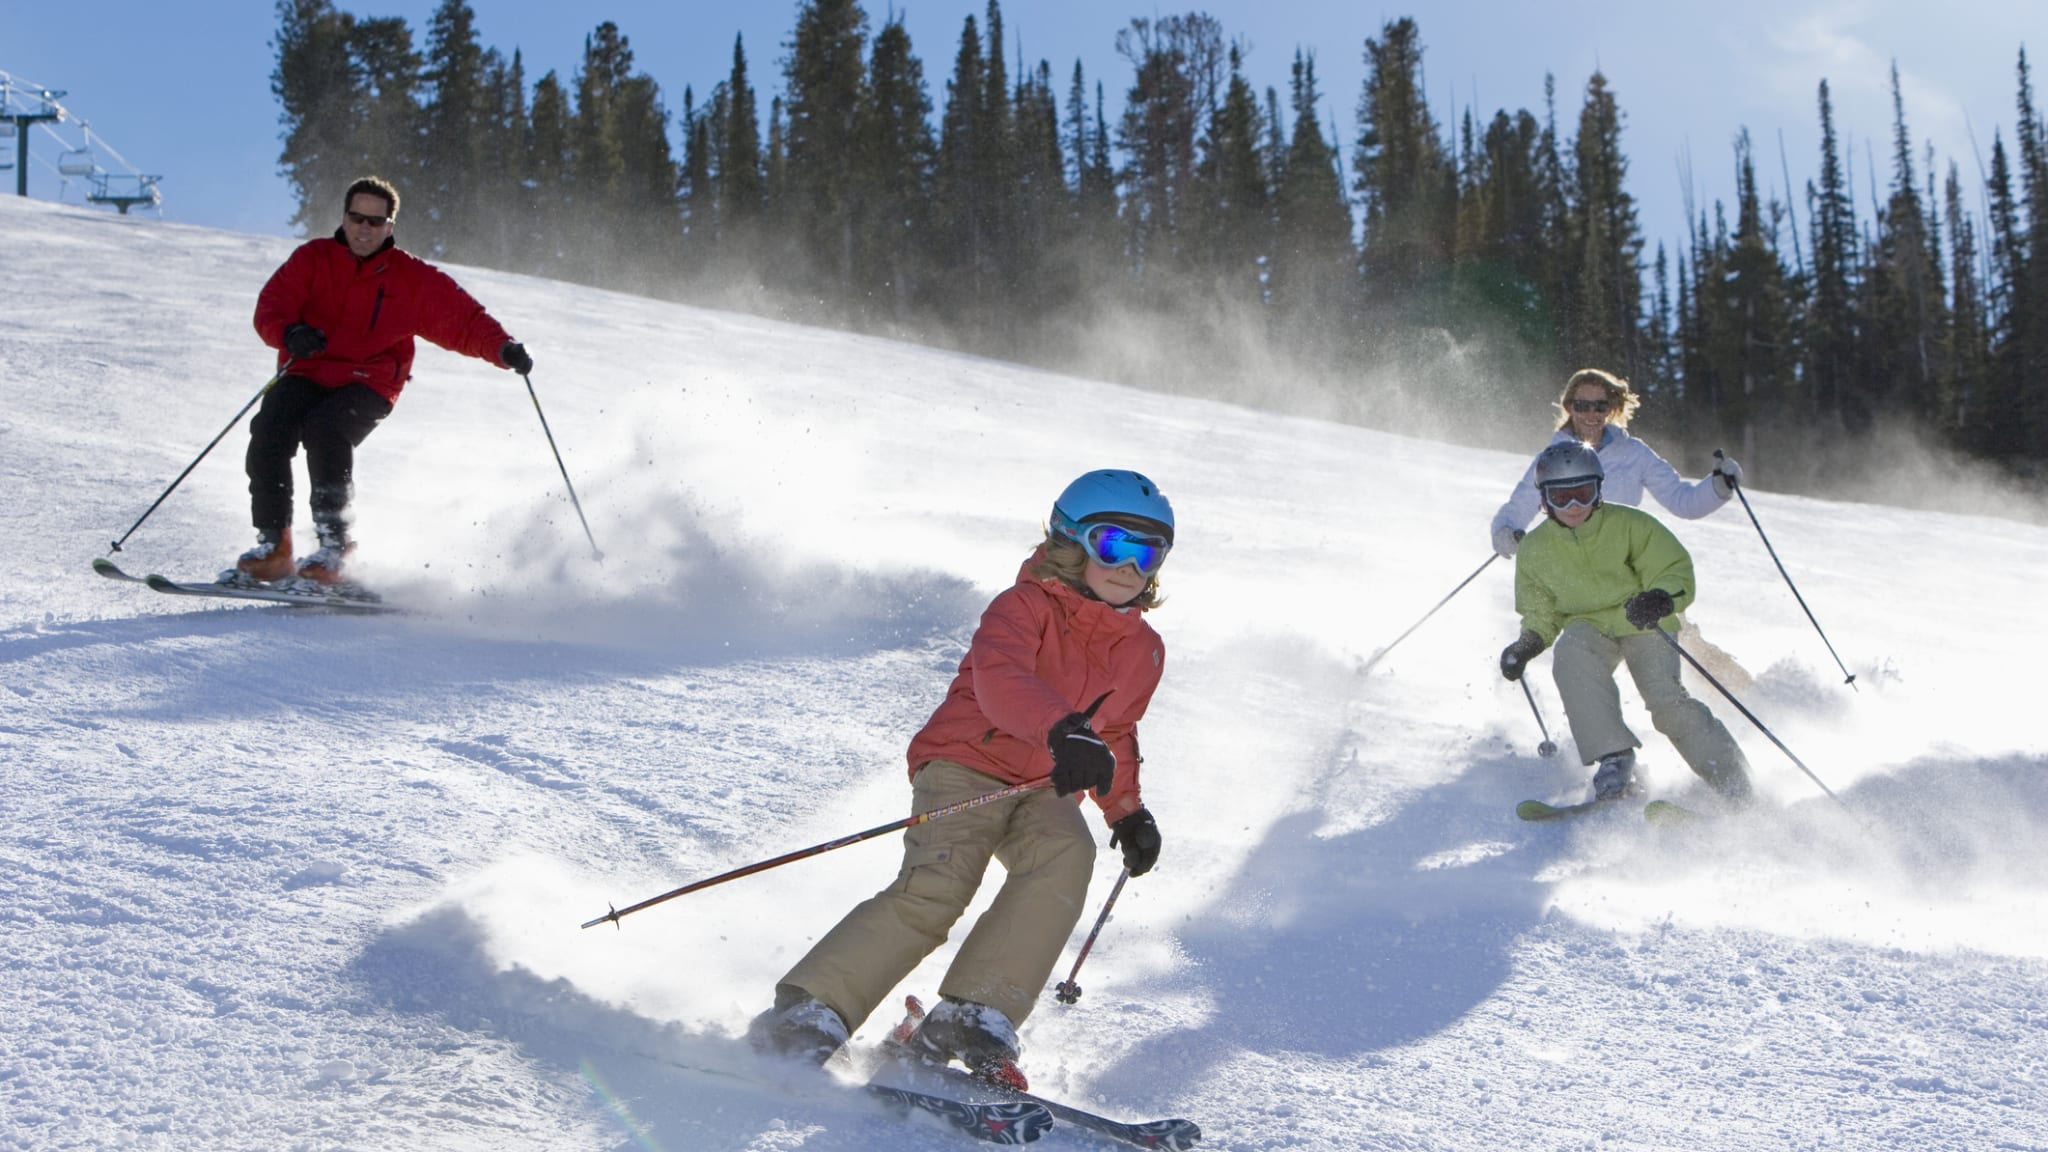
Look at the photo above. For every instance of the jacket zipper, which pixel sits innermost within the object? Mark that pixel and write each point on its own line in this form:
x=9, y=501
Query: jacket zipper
x=377, y=308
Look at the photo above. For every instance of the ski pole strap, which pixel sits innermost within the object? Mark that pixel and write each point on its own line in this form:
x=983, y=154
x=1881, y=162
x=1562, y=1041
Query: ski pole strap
x=616, y=914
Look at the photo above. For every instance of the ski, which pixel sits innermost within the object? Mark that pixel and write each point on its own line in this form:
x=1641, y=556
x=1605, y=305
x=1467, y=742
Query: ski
x=1538, y=810
x=1003, y=1122
x=1176, y=1134
x=364, y=602
x=1665, y=812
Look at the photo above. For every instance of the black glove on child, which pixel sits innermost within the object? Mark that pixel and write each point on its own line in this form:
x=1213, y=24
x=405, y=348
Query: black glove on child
x=304, y=340
x=1647, y=607
x=1138, y=835
x=513, y=355
x=1079, y=757
x=1516, y=656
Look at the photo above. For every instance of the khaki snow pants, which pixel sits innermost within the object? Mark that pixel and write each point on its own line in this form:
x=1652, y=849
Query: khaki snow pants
x=1583, y=663
x=1043, y=841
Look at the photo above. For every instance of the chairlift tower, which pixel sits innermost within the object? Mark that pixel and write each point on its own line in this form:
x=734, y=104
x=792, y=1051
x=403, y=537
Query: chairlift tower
x=48, y=109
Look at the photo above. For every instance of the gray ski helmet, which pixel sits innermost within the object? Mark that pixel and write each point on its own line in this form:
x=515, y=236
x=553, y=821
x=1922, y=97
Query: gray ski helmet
x=1113, y=492
x=1568, y=464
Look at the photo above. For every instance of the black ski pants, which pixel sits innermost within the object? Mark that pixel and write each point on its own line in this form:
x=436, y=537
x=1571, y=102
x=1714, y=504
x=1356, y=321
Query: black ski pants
x=330, y=422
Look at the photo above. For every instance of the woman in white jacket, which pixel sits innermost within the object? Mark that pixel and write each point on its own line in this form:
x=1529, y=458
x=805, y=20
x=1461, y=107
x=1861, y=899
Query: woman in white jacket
x=1596, y=406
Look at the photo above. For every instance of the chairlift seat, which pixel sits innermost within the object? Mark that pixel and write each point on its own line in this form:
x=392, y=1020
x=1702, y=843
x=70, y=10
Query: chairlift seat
x=77, y=163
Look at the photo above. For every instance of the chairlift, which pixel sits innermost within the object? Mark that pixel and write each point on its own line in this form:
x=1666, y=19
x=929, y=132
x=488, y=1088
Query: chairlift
x=6, y=129
x=77, y=162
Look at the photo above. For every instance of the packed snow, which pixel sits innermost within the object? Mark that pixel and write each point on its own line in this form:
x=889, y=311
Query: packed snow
x=282, y=879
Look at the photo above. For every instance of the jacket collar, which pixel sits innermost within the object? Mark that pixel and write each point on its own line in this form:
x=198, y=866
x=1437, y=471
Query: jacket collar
x=1077, y=604
x=341, y=238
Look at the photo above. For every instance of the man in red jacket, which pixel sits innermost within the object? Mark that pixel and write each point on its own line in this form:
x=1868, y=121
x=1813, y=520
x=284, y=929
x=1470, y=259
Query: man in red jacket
x=342, y=312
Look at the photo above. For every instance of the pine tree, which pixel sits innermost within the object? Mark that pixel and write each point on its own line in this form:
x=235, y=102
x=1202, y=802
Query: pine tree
x=2002, y=434
x=739, y=166
x=1314, y=277
x=1163, y=112
x=1903, y=296
x=826, y=79
x=1969, y=351
x=446, y=208
x=551, y=177
x=962, y=206
x=1402, y=175
x=1604, y=260
x=2031, y=303
x=1831, y=333
x=1747, y=321
x=315, y=85
x=1239, y=212
x=896, y=154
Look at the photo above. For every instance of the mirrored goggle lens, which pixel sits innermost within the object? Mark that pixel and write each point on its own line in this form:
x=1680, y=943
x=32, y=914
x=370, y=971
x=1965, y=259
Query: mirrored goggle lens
x=1572, y=495
x=1113, y=545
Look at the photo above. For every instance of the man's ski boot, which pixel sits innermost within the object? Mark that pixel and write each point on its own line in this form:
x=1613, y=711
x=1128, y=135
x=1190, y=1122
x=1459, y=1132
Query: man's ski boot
x=323, y=567
x=976, y=1035
x=269, y=560
x=799, y=1027
x=1615, y=778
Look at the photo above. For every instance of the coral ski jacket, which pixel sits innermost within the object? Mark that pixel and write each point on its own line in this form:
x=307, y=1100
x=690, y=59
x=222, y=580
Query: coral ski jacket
x=370, y=310
x=1044, y=650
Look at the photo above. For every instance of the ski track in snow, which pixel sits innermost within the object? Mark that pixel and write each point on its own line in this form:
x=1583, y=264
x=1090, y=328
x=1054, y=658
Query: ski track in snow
x=278, y=879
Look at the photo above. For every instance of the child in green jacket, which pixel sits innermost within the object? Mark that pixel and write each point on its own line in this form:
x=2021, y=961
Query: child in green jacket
x=1598, y=580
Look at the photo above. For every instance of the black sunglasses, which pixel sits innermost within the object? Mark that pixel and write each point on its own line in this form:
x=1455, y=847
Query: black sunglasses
x=355, y=217
x=1591, y=406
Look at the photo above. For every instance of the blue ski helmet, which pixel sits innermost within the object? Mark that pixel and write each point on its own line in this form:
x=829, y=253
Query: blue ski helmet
x=1110, y=492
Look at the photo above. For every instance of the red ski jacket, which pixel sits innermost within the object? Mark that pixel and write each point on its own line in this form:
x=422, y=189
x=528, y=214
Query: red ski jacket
x=370, y=310
x=1044, y=650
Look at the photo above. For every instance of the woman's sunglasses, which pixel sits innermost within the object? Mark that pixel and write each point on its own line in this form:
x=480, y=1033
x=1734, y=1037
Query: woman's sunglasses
x=1591, y=406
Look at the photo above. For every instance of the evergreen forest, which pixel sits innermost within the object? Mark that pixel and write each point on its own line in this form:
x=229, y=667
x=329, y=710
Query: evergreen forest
x=1215, y=239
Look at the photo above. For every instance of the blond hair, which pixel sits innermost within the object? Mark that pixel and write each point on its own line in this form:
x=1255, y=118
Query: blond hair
x=1059, y=558
x=1624, y=399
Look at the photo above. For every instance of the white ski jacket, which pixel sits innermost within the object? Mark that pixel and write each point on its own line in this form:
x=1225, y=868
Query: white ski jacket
x=1631, y=468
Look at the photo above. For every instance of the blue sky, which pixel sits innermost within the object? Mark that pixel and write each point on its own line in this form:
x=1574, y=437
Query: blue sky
x=183, y=89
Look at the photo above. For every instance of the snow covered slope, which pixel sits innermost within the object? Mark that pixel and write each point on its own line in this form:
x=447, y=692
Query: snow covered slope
x=274, y=880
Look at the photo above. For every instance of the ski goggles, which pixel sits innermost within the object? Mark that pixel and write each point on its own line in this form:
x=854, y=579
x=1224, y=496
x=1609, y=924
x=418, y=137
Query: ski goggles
x=1572, y=494
x=1113, y=545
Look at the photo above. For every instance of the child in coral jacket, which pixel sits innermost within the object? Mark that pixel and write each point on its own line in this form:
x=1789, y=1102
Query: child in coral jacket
x=1060, y=670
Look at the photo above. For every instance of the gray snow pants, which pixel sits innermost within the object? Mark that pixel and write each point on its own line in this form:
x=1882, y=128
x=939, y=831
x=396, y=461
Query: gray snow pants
x=1583, y=662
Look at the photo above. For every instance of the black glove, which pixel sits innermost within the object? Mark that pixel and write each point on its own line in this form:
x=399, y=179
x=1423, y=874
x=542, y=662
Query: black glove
x=513, y=355
x=1138, y=835
x=304, y=340
x=1647, y=607
x=1516, y=656
x=1079, y=757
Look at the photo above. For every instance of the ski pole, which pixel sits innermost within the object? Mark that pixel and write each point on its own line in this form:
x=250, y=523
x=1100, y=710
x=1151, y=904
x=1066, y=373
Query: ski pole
x=1381, y=654
x=1737, y=489
x=1545, y=749
x=616, y=914
x=202, y=454
x=595, y=552
x=1701, y=669
x=1066, y=991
